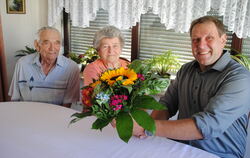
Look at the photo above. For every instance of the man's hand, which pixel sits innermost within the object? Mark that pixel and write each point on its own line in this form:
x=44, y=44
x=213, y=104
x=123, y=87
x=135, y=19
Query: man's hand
x=138, y=131
x=113, y=123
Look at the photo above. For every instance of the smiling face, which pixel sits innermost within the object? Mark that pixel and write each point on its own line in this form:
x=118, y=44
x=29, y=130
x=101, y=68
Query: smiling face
x=207, y=44
x=49, y=45
x=110, y=50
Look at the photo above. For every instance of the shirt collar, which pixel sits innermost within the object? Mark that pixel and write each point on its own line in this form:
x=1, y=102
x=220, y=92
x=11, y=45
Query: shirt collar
x=220, y=64
x=36, y=60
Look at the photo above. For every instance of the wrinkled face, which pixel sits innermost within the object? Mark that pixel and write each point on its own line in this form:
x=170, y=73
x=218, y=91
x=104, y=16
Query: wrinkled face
x=49, y=45
x=207, y=45
x=110, y=49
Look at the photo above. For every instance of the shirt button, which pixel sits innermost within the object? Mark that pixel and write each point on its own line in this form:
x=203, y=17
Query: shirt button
x=195, y=87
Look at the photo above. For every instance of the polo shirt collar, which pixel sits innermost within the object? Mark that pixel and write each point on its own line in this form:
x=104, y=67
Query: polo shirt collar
x=59, y=60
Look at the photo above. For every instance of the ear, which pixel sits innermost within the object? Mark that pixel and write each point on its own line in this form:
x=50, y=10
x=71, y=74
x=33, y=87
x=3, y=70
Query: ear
x=36, y=44
x=224, y=39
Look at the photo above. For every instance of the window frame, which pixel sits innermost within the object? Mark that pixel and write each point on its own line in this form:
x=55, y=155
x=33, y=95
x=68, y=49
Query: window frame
x=236, y=42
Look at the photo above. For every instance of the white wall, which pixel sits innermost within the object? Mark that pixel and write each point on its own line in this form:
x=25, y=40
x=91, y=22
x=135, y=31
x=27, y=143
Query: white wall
x=19, y=29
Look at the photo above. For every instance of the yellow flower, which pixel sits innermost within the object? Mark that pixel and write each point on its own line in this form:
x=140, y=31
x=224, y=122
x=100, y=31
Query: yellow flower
x=127, y=76
x=119, y=78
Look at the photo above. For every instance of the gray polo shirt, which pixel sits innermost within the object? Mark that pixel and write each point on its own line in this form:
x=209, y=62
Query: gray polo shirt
x=60, y=86
x=219, y=102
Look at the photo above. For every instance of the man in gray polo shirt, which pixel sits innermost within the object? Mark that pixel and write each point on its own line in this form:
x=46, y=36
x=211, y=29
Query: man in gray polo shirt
x=212, y=95
x=46, y=76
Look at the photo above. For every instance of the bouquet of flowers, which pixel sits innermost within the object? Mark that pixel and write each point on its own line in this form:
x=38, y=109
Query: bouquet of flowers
x=123, y=94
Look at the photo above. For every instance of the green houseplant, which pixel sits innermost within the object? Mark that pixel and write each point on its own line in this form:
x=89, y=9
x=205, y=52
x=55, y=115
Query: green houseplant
x=164, y=64
x=28, y=50
x=242, y=59
x=84, y=59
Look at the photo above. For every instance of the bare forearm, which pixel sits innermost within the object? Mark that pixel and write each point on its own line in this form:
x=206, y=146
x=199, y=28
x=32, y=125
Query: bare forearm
x=184, y=129
x=160, y=115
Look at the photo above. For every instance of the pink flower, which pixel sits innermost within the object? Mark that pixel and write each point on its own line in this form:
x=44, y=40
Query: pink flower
x=117, y=101
x=141, y=77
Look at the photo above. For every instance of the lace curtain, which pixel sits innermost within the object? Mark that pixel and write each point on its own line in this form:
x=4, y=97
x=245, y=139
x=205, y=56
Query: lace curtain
x=174, y=14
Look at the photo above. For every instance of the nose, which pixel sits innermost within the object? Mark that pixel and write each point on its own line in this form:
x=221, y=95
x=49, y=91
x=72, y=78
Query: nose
x=202, y=44
x=52, y=47
x=110, y=49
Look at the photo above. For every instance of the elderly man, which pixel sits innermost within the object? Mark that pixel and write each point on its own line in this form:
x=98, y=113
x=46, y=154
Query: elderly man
x=46, y=76
x=211, y=94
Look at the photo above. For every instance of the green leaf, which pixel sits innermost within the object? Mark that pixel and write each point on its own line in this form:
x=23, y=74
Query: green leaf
x=144, y=120
x=147, y=102
x=82, y=115
x=129, y=88
x=124, y=126
x=79, y=116
x=100, y=123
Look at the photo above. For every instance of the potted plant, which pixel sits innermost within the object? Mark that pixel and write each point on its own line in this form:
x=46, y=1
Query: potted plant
x=164, y=64
x=28, y=50
x=83, y=59
x=242, y=59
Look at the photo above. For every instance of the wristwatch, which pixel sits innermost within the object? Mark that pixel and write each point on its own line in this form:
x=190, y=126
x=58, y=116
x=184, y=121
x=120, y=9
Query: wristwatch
x=148, y=133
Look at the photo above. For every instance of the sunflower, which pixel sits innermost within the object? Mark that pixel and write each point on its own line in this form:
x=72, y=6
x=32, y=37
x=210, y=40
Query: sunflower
x=127, y=76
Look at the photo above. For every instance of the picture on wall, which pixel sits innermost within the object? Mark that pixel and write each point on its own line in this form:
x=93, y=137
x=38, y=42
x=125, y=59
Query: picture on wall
x=15, y=6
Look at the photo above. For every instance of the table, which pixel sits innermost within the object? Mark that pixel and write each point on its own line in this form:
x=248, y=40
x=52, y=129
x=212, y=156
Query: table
x=39, y=130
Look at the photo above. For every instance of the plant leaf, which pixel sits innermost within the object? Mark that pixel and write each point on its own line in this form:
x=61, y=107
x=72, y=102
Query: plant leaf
x=79, y=116
x=124, y=126
x=144, y=120
x=100, y=123
x=147, y=102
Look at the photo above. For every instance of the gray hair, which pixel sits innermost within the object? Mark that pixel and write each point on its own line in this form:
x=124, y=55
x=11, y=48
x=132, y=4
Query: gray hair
x=44, y=29
x=108, y=32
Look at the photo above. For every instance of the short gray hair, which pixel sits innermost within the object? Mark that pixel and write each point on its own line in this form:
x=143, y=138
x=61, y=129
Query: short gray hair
x=43, y=29
x=108, y=32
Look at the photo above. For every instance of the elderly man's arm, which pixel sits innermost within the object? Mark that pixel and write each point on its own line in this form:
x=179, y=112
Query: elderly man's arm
x=14, y=91
x=72, y=92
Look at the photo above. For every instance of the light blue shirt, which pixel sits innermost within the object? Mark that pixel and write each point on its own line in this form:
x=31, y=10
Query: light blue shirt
x=59, y=86
x=219, y=102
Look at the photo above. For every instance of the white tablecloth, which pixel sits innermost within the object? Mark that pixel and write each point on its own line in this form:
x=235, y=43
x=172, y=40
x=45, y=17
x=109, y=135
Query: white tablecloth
x=38, y=130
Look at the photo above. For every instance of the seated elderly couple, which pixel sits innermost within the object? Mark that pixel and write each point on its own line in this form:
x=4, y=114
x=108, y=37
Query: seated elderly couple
x=211, y=93
x=47, y=76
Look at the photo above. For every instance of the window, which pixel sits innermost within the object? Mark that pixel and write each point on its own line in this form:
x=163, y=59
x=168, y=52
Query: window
x=82, y=38
x=155, y=39
x=152, y=37
x=246, y=47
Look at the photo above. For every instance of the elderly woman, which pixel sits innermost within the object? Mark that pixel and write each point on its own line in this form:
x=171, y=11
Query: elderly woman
x=109, y=42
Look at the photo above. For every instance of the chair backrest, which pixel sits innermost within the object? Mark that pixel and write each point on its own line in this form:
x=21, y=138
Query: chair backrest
x=124, y=59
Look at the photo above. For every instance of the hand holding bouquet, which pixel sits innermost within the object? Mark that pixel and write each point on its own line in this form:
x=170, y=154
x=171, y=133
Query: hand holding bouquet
x=123, y=94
